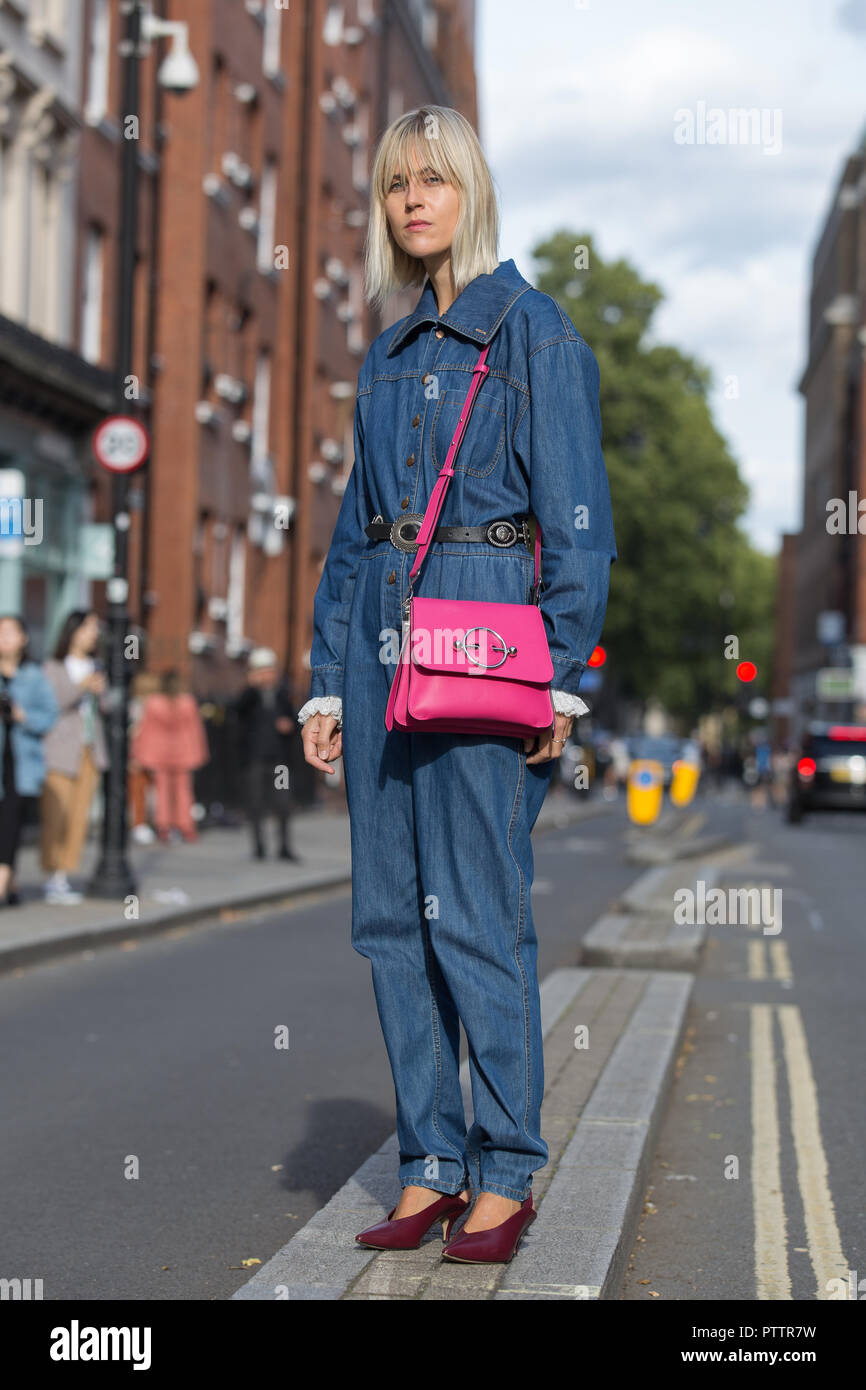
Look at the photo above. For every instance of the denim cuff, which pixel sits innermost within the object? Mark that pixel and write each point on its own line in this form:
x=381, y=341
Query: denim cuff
x=326, y=680
x=566, y=674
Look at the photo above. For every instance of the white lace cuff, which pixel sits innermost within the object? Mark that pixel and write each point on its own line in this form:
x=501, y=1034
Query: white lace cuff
x=563, y=703
x=322, y=704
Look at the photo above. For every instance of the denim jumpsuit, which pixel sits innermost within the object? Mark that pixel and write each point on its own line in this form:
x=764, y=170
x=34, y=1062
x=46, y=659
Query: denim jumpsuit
x=440, y=823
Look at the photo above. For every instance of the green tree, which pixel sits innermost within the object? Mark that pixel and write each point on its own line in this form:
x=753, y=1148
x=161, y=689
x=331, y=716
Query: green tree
x=686, y=574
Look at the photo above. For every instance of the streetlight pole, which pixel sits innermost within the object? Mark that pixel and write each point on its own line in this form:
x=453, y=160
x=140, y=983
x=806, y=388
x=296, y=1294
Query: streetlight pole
x=113, y=877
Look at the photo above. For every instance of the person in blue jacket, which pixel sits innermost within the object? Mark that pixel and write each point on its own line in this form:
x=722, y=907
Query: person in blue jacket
x=27, y=711
x=440, y=822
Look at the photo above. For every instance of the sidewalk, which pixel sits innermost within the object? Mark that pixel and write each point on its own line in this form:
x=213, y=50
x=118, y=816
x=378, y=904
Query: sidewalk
x=181, y=883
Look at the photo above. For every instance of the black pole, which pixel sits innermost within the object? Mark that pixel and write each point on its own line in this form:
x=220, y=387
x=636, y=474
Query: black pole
x=112, y=877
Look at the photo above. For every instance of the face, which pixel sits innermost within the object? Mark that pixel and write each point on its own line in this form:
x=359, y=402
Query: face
x=86, y=636
x=11, y=638
x=422, y=212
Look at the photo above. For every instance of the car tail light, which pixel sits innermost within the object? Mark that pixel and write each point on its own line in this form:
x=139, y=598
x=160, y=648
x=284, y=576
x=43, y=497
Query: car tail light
x=849, y=731
x=806, y=767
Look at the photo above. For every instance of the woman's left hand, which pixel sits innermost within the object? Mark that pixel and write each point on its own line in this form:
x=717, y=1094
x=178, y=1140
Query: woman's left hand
x=551, y=743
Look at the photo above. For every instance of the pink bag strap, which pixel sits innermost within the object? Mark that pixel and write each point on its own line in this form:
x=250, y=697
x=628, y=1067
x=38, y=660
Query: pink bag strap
x=446, y=473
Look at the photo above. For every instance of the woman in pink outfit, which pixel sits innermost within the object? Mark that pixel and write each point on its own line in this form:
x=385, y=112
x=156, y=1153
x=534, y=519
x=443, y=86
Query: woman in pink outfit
x=171, y=743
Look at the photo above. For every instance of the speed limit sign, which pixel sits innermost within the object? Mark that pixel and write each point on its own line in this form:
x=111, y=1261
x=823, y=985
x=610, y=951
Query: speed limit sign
x=121, y=444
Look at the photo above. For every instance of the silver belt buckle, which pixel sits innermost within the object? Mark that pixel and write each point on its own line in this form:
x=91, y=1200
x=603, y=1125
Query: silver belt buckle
x=502, y=533
x=398, y=539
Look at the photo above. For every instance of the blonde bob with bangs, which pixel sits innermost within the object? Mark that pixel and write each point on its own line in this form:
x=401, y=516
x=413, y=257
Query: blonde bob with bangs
x=445, y=141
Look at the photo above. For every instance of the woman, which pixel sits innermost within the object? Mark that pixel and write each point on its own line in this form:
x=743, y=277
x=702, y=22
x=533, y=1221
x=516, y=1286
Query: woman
x=171, y=743
x=75, y=752
x=440, y=823
x=27, y=711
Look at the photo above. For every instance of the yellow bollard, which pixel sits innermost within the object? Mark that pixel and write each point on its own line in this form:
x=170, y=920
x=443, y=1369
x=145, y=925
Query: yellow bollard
x=644, y=790
x=684, y=781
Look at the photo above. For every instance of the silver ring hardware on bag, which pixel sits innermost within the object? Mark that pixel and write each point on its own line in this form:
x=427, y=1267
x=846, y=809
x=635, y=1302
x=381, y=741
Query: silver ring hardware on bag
x=463, y=644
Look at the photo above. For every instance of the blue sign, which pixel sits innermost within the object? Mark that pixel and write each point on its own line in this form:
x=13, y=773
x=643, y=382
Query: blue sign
x=590, y=681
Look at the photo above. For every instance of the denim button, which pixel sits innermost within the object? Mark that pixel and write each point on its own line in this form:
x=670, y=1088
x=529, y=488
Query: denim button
x=416, y=422
x=410, y=460
x=404, y=504
x=392, y=576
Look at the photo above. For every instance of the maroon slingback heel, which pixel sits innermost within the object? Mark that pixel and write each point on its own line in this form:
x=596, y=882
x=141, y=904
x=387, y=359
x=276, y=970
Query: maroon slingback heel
x=496, y=1246
x=405, y=1233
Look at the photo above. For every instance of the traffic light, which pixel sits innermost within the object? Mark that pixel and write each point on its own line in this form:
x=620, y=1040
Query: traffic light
x=598, y=657
x=746, y=671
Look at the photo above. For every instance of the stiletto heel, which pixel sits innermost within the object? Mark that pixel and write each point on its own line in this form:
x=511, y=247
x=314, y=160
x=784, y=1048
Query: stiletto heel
x=497, y=1245
x=406, y=1232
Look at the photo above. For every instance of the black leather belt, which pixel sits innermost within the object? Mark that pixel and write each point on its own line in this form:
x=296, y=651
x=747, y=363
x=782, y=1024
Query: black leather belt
x=402, y=532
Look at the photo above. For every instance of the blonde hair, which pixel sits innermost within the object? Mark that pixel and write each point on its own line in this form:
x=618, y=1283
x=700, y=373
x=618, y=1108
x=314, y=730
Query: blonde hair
x=444, y=140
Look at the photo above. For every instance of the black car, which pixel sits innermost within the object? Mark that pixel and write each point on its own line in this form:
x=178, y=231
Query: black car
x=829, y=770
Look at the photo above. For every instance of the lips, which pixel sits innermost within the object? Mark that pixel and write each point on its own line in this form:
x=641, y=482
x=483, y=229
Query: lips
x=416, y=226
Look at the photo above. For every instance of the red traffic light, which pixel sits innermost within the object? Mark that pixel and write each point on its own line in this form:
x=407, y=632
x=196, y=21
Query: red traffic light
x=746, y=671
x=598, y=657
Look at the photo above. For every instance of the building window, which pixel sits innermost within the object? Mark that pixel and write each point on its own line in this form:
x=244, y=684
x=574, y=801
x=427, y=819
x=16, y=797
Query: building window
x=261, y=415
x=332, y=32
x=424, y=14
x=271, y=48
x=97, y=61
x=44, y=252
x=267, y=214
x=91, y=312
x=48, y=19
x=236, y=588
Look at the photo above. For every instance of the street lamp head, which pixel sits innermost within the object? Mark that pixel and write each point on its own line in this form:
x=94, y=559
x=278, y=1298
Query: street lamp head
x=178, y=71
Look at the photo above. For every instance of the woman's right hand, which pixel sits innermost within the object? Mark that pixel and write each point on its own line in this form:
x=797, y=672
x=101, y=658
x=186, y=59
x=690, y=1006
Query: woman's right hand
x=323, y=741
x=94, y=683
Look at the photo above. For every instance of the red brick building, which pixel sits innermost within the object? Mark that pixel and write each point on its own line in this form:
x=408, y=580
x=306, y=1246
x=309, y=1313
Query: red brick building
x=250, y=324
x=824, y=567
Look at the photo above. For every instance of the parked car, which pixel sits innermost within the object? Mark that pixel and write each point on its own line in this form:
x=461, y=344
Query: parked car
x=828, y=771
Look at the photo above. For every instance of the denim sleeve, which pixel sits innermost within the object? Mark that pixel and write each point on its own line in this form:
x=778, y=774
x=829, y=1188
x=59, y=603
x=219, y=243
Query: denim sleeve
x=333, y=598
x=41, y=709
x=558, y=439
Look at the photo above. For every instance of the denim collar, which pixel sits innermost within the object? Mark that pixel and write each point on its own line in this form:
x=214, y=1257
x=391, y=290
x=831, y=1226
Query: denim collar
x=477, y=311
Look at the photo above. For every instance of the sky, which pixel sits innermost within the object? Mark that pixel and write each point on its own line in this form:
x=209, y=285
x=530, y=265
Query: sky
x=580, y=103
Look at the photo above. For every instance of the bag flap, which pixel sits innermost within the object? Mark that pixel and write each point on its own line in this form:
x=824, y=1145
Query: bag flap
x=441, y=627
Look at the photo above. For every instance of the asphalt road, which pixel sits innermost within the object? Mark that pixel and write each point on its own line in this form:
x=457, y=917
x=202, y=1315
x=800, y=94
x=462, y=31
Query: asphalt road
x=758, y=1172
x=156, y=1137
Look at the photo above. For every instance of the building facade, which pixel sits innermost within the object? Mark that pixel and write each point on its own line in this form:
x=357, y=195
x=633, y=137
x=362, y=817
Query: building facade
x=250, y=323
x=824, y=605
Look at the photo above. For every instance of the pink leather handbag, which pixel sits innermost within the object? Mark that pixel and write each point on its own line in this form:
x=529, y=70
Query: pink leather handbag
x=467, y=666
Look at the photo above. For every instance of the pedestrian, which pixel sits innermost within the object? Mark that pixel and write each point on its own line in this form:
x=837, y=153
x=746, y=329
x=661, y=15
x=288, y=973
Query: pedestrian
x=440, y=822
x=75, y=752
x=170, y=742
x=138, y=779
x=266, y=722
x=28, y=709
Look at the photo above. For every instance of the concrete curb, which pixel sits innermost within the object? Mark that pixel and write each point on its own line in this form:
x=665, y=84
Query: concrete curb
x=69, y=937
x=589, y=1217
x=644, y=934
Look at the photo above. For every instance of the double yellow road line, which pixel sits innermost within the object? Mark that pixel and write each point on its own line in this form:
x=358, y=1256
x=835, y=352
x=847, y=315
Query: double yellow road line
x=822, y=1233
